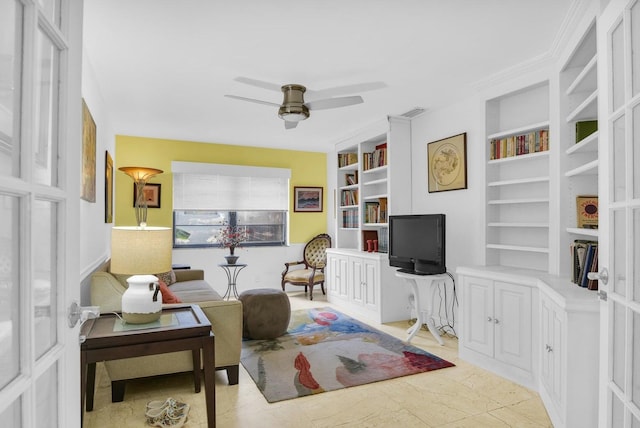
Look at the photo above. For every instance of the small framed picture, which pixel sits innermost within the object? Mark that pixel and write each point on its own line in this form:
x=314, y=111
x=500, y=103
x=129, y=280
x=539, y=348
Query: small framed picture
x=447, y=164
x=307, y=199
x=151, y=194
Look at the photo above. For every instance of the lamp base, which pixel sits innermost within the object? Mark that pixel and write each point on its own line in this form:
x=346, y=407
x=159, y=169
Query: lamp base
x=137, y=318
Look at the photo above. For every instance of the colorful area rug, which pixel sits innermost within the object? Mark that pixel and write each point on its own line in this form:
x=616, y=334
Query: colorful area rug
x=325, y=350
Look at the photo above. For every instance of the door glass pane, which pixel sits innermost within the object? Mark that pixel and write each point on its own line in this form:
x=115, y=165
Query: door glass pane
x=619, y=253
x=617, y=66
x=10, y=64
x=46, y=405
x=636, y=255
x=619, y=334
x=635, y=48
x=45, y=150
x=635, y=360
x=9, y=289
x=617, y=413
x=636, y=145
x=44, y=284
x=51, y=9
x=619, y=155
x=11, y=415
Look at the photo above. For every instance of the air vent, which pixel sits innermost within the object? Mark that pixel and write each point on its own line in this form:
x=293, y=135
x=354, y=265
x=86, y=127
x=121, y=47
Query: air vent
x=413, y=113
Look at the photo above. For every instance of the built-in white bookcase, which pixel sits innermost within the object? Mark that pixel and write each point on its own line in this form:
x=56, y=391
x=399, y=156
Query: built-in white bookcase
x=578, y=161
x=517, y=190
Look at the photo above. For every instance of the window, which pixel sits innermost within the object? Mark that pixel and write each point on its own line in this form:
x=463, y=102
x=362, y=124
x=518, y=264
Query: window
x=207, y=197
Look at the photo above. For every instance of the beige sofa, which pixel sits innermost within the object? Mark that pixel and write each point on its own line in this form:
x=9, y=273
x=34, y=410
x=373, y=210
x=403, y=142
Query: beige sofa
x=225, y=317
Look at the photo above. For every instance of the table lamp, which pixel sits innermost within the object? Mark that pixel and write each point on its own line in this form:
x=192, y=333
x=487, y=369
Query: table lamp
x=141, y=252
x=140, y=176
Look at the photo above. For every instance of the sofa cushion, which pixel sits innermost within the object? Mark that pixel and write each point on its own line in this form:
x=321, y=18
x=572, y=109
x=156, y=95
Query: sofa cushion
x=167, y=295
x=195, y=291
x=169, y=278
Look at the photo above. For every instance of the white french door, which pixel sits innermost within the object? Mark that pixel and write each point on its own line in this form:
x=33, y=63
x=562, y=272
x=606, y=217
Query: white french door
x=619, y=39
x=40, y=134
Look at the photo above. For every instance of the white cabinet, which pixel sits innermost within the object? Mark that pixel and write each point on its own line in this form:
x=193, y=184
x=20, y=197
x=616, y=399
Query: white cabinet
x=497, y=326
x=536, y=329
x=365, y=285
x=568, y=350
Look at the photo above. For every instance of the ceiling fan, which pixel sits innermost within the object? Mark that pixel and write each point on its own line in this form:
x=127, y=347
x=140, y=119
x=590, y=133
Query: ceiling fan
x=295, y=109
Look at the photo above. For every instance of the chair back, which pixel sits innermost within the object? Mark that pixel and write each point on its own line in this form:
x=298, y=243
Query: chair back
x=314, y=252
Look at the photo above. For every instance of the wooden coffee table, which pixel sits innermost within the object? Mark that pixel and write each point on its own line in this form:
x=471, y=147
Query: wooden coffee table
x=179, y=329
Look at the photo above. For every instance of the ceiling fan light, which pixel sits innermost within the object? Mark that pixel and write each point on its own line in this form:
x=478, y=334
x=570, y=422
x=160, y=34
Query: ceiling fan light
x=293, y=113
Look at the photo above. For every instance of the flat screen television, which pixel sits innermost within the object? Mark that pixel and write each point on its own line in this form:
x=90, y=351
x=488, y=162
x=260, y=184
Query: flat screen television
x=417, y=243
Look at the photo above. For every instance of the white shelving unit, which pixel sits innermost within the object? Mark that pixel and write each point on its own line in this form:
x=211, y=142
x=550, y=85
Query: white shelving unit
x=517, y=194
x=579, y=163
x=358, y=280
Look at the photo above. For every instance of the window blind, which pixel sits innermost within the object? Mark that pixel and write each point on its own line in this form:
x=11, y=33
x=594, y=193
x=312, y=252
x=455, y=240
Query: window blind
x=200, y=186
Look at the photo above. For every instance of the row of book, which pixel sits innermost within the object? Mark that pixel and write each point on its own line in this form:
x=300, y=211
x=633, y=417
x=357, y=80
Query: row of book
x=375, y=159
x=584, y=256
x=375, y=212
x=350, y=179
x=345, y=159
x=516, y=145
x=350, y=219
x=348, y=198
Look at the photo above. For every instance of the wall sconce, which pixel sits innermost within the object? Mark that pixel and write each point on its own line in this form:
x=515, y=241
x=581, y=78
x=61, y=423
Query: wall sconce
x=140, y=176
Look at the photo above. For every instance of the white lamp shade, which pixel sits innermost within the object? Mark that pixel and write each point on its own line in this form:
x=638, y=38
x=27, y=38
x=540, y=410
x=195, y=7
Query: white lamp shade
x=139, y=251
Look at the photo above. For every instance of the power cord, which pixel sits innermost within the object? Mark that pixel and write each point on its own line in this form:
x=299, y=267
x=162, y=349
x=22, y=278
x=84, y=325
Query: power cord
x=447, y=329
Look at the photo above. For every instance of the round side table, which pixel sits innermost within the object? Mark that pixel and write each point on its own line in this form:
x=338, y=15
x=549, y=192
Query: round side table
x=232, y=272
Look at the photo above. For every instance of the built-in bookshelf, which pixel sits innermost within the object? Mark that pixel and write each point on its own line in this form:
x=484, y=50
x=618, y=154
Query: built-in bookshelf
x=518, y=179
x=366, y=192
x=579, y=146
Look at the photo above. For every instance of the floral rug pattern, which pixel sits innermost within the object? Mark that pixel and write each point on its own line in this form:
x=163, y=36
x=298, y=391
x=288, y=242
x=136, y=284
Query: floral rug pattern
x=325, y=350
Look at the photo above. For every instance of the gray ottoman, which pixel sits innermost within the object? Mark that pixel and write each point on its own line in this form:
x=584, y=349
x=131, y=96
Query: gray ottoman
x=265, y=313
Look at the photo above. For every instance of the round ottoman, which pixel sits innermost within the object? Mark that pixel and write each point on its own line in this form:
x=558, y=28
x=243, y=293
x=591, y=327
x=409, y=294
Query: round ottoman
x=265, y=313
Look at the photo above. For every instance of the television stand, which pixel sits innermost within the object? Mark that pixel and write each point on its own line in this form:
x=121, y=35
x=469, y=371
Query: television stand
x=424, y=315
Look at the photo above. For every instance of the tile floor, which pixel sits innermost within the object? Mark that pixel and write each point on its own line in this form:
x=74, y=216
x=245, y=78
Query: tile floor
x=461, y=396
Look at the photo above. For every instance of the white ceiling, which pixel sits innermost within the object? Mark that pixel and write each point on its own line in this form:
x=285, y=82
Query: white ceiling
x=164, y=66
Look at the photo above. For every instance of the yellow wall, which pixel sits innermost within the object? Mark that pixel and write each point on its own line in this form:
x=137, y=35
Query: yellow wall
x=307, y=169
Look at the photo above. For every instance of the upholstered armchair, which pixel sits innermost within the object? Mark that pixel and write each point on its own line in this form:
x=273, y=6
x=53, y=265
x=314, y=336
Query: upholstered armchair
x=314, y=261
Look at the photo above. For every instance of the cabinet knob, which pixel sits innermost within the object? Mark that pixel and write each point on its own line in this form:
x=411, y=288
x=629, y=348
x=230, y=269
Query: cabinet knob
x=496, y=321
x=548, y=348
x=489, y=319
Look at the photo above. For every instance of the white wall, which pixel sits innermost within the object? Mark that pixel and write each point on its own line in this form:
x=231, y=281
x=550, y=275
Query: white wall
x=95, y=234
x=464, y=209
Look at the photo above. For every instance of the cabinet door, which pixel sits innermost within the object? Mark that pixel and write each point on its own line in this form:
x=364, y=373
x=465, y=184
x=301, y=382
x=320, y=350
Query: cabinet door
x=342, y=267
x=551, y=350
x=357, y=291
x=332, y=275
x=512, y=321
x=478, y=315
x=371, y=282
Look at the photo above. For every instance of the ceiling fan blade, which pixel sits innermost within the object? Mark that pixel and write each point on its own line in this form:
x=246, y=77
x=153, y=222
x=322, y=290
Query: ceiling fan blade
x=289, y=124
x=347, y=89
x=334, y=102
x=259, y=83
x=251, y=100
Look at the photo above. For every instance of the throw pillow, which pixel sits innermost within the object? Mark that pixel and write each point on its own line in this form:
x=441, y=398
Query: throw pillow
x=167, y=295
x=168, y=277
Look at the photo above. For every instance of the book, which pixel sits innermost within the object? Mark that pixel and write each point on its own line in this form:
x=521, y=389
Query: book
x=592, y=284
x=587, y=212
x=584, y=128
x=587, y=265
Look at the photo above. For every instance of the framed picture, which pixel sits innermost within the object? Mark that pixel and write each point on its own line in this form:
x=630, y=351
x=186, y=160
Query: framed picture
x=88, y=192
x=307, y=199
x=151, y=194
x=447, y=164
x=108, y=188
